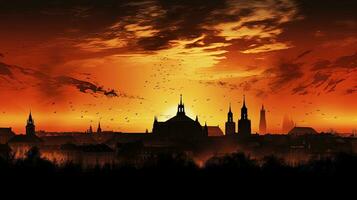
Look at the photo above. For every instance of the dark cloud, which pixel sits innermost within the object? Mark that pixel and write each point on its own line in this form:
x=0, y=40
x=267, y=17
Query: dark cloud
x=284, y=74
x=343, y=62
x=184, y=19
x=321, y=64
x=352, y=90
x=349, y=61
x=332, y=84
x=51, y=86
x=318, y=79
x=84, y=86
x=301, y=90
x=5, y=70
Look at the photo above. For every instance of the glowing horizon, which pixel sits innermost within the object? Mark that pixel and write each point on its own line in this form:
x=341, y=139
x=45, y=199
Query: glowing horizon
x=77, y=63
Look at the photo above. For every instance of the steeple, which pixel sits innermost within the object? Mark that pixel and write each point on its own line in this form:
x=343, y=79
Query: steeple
x=99, y=130
x=90, y=130
x=244, y=110
x=30, y=126
x=262, y=123
x=230, y=114
x=30, y=119
x=244, y=101
x=181, y=107
x=230, y=124
x=244, y=124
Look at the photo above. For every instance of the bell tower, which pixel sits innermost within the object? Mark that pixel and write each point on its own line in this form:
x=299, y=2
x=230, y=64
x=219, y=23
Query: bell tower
x=30, y=126
x=230, y=124
x=244, y=125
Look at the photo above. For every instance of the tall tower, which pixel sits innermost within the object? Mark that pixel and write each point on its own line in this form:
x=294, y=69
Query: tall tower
x=181, y=107
x=263, y=122
x=244, y=125
x=30, y=126
x=230, y=124
x=99, y=129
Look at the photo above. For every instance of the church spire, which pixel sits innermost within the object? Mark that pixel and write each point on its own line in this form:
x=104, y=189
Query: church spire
x=181, y=107
x=244, y=101
x=230, y=114
x=30, y=119
x=30, y=126
x=244, y=110
x=99, y=129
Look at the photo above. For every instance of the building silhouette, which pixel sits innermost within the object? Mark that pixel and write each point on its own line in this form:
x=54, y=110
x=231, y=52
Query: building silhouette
x=180, y=126
x=99, y=129
x=263, y=122
x=230, y=124
x=244, y=125
x=30, y=126
x=22, y=143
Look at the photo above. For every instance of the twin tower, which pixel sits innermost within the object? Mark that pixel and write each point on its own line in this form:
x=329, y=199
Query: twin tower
x=244, y=125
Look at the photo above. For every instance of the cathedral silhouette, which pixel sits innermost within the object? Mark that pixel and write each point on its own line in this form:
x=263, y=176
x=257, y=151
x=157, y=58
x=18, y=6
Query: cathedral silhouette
x=180, y=126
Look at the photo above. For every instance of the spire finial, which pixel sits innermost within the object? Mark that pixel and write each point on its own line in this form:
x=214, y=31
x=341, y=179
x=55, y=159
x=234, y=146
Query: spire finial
x=180, y=99
x=243, y=99
x=230, y=107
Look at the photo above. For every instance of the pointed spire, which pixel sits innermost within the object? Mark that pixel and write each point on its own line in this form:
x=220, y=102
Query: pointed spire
x=99, y=129
x=244, y=100
x=230, y=107
x=196, y=118
x=30, y=119
x=180, y=99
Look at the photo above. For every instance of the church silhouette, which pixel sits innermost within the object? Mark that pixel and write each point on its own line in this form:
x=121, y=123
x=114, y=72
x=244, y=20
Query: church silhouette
x=180, y=126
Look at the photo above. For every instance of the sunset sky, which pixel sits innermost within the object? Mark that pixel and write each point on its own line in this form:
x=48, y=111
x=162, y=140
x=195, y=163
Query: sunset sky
x=75, y=63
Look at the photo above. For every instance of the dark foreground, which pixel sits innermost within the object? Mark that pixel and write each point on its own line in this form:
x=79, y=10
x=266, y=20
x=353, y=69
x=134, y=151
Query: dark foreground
x=180, y=165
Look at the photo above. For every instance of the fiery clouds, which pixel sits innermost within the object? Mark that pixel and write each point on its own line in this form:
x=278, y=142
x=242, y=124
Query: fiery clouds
x=145, y=50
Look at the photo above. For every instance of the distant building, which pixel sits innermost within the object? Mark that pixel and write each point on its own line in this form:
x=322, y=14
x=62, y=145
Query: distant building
x=30, y=126
x=5, y=135
x=21, y=144
x=179, y=126
x=99, y=129
x=90, y=130
x=300, y=131
x=244, y=125
x=230, y=124
x=262, y=123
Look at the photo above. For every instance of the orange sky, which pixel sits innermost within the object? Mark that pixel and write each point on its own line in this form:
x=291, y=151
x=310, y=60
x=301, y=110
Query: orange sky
x=63, y=60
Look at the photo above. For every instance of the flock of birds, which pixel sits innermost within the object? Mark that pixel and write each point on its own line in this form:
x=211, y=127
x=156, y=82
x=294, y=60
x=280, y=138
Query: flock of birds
x=166, y=78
